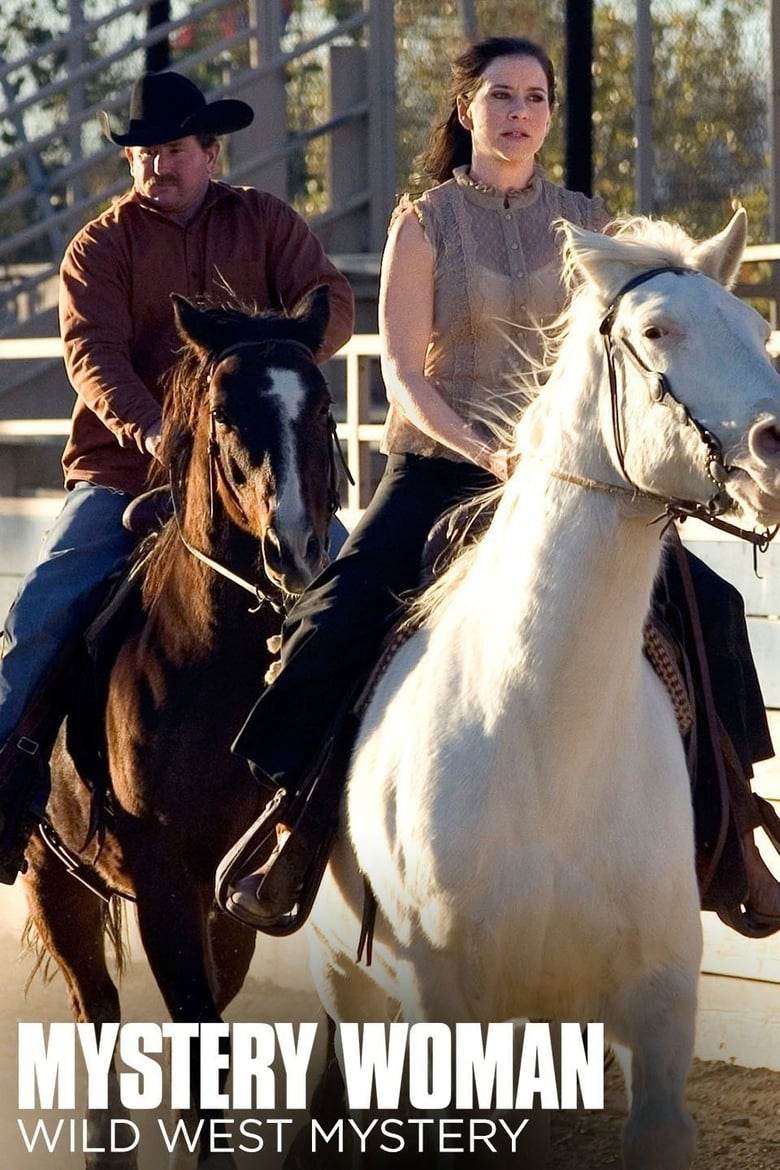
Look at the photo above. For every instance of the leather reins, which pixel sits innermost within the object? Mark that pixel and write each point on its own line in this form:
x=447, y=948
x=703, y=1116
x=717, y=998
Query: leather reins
x=276, y=598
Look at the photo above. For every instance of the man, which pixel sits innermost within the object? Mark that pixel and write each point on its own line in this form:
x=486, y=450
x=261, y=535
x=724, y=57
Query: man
x=177, y=230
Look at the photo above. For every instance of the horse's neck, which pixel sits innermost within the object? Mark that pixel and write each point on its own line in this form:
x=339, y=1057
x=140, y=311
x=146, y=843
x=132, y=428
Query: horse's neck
x=195, y=608
x=557, y=593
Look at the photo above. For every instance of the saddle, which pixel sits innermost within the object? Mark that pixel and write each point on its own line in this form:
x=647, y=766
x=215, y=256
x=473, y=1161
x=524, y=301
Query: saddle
x=85, y=726
x=725, y=737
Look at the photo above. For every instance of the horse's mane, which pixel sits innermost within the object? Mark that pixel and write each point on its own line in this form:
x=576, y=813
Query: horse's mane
x=185, y=385
x=637, y=242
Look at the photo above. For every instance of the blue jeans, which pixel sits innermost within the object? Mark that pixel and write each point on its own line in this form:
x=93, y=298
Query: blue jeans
x=58, y=599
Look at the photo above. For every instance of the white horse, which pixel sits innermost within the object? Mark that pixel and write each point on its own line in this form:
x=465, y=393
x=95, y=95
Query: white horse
x=518, y=797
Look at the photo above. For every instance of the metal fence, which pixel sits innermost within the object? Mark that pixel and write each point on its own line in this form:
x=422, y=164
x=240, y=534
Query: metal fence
x=358, y=429
x=323, y=89
x=359, y=398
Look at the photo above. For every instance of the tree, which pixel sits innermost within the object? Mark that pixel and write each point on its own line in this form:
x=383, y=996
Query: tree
x=710, y=141
x=39, y=146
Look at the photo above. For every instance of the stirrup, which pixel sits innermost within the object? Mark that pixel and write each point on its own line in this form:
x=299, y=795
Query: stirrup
x=752, y=923
x=747, y=922
x=257, y=844
x=290, y=921
x=250, y=850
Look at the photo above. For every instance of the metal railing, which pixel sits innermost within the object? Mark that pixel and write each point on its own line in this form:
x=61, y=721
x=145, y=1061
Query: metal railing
x=59, y=173
x=357, y=433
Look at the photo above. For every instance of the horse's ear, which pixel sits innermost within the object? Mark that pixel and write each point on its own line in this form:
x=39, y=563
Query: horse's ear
x=593, y=257
x=192, y=324
x=721, y=256
x=313, y=312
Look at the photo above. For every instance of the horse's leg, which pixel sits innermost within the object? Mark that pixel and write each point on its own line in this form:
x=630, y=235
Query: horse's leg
x=232, y=946
x=657, y=1022
x=328, y=1106
x=172, y=920
x=71, y=923
x=444, y=986
x=347, y=992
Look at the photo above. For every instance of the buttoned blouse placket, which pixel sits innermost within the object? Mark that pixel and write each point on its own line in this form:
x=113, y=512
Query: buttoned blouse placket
x=516, y=263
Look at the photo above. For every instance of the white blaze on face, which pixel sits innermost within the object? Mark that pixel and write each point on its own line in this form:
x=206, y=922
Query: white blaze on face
x=289, y=394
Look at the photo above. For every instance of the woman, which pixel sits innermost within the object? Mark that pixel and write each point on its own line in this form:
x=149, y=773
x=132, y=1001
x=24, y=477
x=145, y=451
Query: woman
x=473, y=254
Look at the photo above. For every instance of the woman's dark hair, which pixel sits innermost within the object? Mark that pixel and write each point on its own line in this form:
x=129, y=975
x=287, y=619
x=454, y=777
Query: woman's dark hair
x=450, y=143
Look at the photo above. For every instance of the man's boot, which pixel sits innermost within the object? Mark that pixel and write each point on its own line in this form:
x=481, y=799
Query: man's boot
x=24, y=790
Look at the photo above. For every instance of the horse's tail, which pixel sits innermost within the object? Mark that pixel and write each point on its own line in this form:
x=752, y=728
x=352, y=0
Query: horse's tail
x=114, y=923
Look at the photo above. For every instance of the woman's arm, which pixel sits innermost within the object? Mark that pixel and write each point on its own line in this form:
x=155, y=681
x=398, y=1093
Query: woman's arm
x=405, y=325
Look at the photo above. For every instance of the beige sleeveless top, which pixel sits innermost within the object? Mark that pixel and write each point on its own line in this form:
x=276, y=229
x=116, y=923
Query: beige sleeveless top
x=496, y=280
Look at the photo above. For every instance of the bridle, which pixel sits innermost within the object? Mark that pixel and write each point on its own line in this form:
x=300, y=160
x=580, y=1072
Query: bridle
x=274, y=596
x=673, y=509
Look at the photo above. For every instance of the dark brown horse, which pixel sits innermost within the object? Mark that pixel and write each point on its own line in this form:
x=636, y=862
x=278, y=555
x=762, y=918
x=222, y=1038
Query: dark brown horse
x=247, y=436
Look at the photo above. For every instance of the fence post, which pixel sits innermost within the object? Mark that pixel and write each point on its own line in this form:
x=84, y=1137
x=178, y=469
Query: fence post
x=348, y=150
x=382, y=149
x=643, y=117
x=774, y=156
x=358, y=453
x=75, y=55
x=267, y=95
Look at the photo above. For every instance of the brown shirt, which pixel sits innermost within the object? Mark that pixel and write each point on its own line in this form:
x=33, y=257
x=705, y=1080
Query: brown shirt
x=497, y=280
x=116, y=318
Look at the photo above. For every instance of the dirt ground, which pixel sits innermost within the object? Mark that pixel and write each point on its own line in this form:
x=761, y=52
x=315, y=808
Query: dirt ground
x=737, y=1110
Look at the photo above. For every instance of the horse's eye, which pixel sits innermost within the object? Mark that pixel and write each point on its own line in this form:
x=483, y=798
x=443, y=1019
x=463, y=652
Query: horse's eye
x=653, y=333
x=219, y=416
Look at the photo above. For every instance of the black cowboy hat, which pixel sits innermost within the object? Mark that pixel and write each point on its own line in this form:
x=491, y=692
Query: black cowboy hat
x=166, y=106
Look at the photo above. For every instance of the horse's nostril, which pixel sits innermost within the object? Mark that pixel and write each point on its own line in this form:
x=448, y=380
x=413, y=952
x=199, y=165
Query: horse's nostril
x=765, y=441
x=313, y=549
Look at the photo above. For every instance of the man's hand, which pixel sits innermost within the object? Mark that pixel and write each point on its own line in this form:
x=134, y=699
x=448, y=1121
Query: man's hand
x=152, y=440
